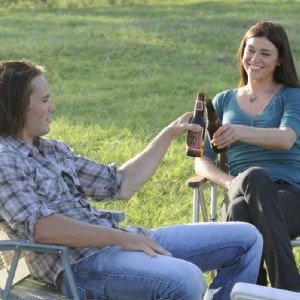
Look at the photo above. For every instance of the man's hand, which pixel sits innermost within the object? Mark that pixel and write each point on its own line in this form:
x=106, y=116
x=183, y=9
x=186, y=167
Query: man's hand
x=138, y=242
x=182, y=125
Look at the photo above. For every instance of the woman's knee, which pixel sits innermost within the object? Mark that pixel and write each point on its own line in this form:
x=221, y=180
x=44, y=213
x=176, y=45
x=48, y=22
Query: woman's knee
x=256, y=174
x=238, y=210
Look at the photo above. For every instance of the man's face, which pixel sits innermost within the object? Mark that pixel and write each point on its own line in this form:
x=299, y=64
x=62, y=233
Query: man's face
x=39, y=110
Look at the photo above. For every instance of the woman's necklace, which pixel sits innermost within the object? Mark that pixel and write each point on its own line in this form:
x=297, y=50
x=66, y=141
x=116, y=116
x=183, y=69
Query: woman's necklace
x=252, y=98
x=262, y=95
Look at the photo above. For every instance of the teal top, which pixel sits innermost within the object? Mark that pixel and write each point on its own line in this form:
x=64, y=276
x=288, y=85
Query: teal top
x=282, y=111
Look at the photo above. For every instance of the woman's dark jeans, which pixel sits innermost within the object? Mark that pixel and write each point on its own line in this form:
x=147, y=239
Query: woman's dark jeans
x=274, y=208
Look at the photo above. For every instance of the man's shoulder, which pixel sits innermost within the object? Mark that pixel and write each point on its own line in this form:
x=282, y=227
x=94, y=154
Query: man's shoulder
x=57, y=145
x=6, y=146
x=10, y=147
x=10, y=155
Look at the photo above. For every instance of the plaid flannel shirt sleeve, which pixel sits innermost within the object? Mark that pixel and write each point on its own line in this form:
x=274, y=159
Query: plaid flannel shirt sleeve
x=97, y=180
x=19, y=205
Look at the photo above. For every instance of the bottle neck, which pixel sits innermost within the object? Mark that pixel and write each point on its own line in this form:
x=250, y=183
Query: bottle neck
x=211, y=113
x=199, y=108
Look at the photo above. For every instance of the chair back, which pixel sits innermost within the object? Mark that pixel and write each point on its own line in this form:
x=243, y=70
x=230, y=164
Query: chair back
x=223, y=162
x=6, y=260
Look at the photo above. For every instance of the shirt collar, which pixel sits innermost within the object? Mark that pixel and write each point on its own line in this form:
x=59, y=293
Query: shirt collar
x=22, y=147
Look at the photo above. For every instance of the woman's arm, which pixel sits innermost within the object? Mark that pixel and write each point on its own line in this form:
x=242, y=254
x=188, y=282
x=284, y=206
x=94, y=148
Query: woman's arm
x=206, y=168
x=273, y=138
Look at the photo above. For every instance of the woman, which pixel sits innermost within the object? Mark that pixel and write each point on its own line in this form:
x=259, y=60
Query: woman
x=262, y=131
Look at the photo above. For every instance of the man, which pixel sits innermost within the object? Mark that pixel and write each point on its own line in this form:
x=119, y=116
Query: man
x=43, y=197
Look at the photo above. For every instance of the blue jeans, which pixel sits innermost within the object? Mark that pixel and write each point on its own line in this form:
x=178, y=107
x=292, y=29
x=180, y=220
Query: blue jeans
x=233, y=249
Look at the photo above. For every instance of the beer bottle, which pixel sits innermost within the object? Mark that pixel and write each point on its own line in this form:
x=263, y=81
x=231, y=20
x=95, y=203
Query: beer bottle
x=213, y=124
x=195, y=140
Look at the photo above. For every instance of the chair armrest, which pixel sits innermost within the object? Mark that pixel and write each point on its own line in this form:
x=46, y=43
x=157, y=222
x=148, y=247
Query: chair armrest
x=196, y=181
x=20, y=245
x=27, y=245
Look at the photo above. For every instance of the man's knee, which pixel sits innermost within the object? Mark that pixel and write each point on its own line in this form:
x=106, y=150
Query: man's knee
x=188, y=282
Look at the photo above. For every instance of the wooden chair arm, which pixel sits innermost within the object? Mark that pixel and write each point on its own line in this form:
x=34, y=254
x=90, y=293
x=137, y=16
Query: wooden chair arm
x=198, y=180
x=195, y=181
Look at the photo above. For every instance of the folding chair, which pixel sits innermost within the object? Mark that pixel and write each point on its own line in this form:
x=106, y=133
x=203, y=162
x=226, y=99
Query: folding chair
x=247, y=291
x=200, y=204
x=241, y=291
x=15, y=279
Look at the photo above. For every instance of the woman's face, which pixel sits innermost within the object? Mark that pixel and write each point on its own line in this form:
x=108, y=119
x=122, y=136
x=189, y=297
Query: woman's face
x=260, y=59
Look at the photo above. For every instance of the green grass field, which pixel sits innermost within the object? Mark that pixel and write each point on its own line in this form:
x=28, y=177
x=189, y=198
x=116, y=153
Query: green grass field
x=121, y=70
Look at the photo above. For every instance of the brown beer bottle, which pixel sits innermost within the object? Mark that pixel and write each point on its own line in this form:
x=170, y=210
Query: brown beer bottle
x=213, y=124
x=195, y=140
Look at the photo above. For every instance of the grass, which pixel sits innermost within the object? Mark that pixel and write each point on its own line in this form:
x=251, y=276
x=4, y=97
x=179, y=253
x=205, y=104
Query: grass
x=120, y=70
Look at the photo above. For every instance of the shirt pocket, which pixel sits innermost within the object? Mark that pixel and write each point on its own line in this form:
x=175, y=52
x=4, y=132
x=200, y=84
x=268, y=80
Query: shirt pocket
x=50, y=190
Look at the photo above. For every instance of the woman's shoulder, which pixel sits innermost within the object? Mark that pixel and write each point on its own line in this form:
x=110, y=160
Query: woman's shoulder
x=222, y=98
x=286, y=90
x=226, y=93
x=289, y=95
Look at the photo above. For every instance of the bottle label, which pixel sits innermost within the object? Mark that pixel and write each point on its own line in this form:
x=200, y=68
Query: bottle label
x=200, y=105
x=194, y=140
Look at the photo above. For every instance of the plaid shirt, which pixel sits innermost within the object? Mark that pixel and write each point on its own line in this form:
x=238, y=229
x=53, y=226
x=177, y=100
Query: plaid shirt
x=50, y=179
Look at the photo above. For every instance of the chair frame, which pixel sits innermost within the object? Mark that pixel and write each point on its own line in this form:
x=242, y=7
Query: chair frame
x=248, y=291
x=198, y=183
x=17, y=246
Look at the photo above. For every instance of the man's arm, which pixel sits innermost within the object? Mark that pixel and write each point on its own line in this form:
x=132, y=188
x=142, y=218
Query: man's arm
x=59, y=229
x=138, y=170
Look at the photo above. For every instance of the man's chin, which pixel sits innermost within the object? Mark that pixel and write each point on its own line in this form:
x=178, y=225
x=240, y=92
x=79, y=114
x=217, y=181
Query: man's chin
x=46, y=131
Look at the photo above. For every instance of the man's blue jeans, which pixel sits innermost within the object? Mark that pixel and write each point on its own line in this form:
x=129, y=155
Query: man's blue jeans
x=233, y=249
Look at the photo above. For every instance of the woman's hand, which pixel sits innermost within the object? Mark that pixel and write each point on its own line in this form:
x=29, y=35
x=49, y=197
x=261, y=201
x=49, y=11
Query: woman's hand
x=225, y=135
x=282, y=138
